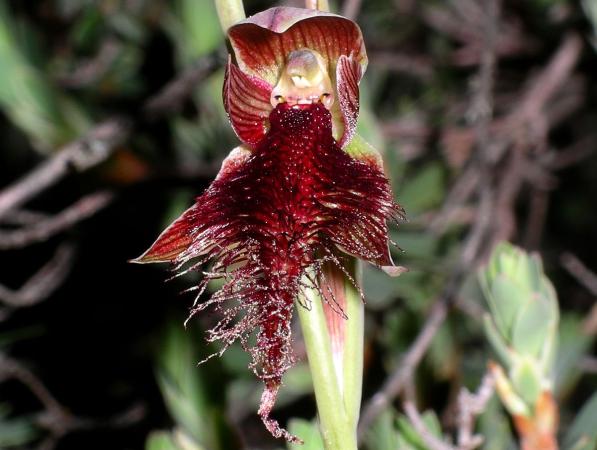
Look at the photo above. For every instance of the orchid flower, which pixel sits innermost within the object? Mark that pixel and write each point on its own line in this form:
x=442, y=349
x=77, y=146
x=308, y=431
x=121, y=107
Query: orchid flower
x=301, y=190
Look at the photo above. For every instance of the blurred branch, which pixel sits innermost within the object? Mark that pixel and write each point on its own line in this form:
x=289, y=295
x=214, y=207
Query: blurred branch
x=464, y=21
x=525, y=126
x=469, y=406
x=351, y=8
x=536, y=217
x=99, y=143
x=43, y=283
x=405, y=368
x=478, y=174
x=91, y=70
x=587, y=279
x=481, y=107
x=22, y=217
x=172, y=96
x=580, y=272
x=415, y=65
x=55, y=417
x=48, y=227
x=543, y=87
x=78, y=156
x=432, y=442
x=588, y=364
x=576, y=153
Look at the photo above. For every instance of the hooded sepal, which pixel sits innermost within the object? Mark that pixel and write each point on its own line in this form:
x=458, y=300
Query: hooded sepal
x=262, y=42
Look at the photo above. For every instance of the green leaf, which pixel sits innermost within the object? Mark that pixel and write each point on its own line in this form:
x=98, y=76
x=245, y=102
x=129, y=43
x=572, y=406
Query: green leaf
x=442, y=354
x=573, y=344
x=410, y=435
x=506, y=299
x=432, y=423
x=582, y=435
x=416, y=288
x=423, y=192
x=195, y=28
x=189, y=396
x=17, y=432
x=497, y=341
x=590, y=9
x=360, y=149
x=383, y=434
x=495, y=428
x=534, y=324
x=128, y=26
x=417, y=245
x=368, y=124
x=308, y=432
x=27, y=97
x=527, y=380
x=160, y=440
x=297, y=383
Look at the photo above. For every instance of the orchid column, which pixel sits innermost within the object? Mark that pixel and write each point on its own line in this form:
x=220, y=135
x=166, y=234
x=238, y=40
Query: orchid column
x=290, y=209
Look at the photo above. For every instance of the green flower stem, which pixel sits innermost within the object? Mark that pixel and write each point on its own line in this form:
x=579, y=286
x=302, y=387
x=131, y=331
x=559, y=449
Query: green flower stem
x=338, y=400
x=230, y=12
x=352, y=371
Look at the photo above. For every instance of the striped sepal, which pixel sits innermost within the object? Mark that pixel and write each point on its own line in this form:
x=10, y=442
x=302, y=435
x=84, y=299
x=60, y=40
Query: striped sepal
x=247, y=102
x=348, y=75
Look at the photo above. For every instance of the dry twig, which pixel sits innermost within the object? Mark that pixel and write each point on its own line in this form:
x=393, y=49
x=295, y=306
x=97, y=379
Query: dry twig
x=78, y=156
x=351, y=8
x=580, y=272
x=472, y=247
x=404, y=370
x=171, y=97
x=55, y=417
x=432, y=442
x=469, y=406
x=41, y=285
x=46, y=228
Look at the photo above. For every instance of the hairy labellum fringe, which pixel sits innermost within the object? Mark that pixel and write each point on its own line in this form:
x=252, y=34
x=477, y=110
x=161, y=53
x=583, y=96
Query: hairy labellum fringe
x=269, y=222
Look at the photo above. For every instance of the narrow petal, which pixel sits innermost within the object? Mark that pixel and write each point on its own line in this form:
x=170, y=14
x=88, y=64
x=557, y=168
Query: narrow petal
x=362, y=203
x=361, y=150
x=171, y=243
x=177, y=238
x=247, y=102
x=262, y=42
x=348, y=75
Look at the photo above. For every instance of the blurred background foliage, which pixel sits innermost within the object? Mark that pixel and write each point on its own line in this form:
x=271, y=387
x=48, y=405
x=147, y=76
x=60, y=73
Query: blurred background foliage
x=95, y=356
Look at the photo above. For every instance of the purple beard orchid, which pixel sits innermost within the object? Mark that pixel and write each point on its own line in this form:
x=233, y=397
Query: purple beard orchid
x=300, y=190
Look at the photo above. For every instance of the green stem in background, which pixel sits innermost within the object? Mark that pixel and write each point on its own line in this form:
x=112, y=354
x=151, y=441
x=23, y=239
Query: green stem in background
x=352, y=370
x=230, y=12
x=321, y=5
x=334, y=346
